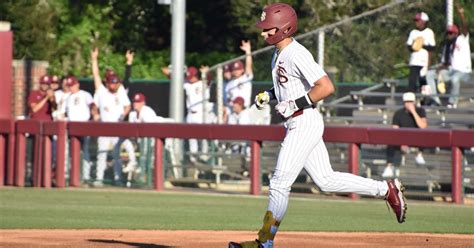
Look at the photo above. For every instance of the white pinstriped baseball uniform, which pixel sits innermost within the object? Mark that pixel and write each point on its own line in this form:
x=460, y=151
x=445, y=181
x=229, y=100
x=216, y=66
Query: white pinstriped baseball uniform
x=294, y=71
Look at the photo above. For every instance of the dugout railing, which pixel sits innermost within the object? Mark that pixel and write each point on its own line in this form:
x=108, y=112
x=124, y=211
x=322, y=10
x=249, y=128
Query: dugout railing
x=456, y=140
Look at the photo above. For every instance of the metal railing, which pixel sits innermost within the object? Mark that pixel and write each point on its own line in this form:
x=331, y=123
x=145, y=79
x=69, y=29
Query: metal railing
x=354, y=136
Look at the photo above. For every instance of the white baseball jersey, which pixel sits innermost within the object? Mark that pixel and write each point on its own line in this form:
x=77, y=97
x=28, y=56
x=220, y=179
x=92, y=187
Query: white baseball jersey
x=294, y=72
x=147, y=115
x=241, y=86
x=78, y=106
x=461, y=57
x=420, y=58
x=195, y=96
x=61, y=97
x=111, y=105
x=242, y=118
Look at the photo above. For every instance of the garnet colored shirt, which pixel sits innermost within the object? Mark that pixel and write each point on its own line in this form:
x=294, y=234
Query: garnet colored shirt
x=43, y=113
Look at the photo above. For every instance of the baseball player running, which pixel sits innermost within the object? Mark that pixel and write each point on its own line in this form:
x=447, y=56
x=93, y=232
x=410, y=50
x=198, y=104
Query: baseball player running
x=298, y=83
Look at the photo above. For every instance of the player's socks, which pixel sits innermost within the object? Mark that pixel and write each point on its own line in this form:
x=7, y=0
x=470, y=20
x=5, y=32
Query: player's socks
x=268, y=231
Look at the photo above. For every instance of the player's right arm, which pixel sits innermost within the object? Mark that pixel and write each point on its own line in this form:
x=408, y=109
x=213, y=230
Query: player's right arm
x=263, y=98
x=95, y=68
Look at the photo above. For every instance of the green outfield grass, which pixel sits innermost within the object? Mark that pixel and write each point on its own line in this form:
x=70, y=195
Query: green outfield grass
x=87, y=209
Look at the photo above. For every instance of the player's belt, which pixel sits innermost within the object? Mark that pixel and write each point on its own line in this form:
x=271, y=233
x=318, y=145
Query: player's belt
x=300, y=112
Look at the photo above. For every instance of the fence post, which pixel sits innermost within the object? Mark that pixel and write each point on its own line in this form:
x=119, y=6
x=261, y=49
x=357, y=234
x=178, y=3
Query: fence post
x=456, y=173
x=75, y=173
x=11, y=156
x=2, y=159
x=61, y=155
x=47, y=162
x=353, y=162
x=158, y=173
x=20, y=159
x=38, y=158
x=255, y=185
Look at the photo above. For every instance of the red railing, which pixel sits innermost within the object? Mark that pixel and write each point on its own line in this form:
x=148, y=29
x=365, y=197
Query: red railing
x=354, y=136
x=7, y=151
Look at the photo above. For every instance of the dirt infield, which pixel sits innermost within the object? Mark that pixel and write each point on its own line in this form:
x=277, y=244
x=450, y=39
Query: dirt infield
x=156, y=239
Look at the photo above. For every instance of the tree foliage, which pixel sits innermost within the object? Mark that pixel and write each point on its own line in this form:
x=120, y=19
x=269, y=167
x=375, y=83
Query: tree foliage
x=64, y=31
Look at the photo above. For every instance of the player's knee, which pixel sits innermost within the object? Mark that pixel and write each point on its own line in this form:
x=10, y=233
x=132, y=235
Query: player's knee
x=278, y=188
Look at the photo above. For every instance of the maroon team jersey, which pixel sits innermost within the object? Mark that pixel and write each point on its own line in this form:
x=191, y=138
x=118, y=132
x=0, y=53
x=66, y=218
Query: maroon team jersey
x=43, y=113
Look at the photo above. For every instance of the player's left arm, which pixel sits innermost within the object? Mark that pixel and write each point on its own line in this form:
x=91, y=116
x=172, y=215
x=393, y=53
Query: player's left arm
x=129, y=55
x=247, y=48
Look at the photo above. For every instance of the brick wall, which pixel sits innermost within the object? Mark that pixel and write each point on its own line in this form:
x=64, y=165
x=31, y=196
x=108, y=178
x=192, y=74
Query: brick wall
x=26, y=74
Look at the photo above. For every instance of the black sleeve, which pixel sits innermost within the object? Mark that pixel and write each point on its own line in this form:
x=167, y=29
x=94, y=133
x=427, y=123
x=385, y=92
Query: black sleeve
x=429, y=48
x=126, y=77
x=421, y=112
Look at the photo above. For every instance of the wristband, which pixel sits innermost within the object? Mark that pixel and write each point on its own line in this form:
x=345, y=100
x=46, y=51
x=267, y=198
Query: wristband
x=303, y=102
x=271, y=93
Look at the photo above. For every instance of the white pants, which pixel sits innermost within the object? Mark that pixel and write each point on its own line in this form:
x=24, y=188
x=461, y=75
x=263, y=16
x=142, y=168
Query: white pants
x=197, y=118
x=303, y=147
x=130, y=149
x=105, y=144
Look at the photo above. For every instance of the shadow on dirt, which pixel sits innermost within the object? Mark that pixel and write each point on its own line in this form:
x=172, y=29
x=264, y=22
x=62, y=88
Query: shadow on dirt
x=131, y=244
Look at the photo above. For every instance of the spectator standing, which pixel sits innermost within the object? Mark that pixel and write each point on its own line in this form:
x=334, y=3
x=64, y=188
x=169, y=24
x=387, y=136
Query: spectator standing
x=123, y=89
x=113, y=106
x=42, y=102
x=197, y=105
x=144, y=114
x=78, y=108
x=61, y=96
x=421, y=42
x=456, y=65
x=240, y=114
x=241, y=82
x=409, y=116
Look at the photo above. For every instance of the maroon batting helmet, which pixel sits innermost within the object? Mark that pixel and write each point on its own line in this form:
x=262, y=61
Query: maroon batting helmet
x=281, y=16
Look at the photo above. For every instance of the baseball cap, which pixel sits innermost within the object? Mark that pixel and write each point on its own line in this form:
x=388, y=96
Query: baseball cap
x=239, y=100
x=409, y=97
x=422, y=16
x=237, y=65
x=112, y=79
x=55, y=79
x=139, y=97
x=452, y=29
x=227, y=68
x=71, y=80
x=191, y=72
x=45, y=79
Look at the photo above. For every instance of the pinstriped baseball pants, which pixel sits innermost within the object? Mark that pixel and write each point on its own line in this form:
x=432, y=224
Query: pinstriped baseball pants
x=303, y=147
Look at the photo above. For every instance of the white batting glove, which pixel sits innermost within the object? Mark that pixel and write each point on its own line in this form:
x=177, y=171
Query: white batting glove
x=262, y=99
x=286, y=108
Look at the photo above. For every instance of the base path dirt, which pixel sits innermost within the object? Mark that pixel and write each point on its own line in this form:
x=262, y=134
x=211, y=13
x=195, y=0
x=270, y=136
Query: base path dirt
x=157, y=239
